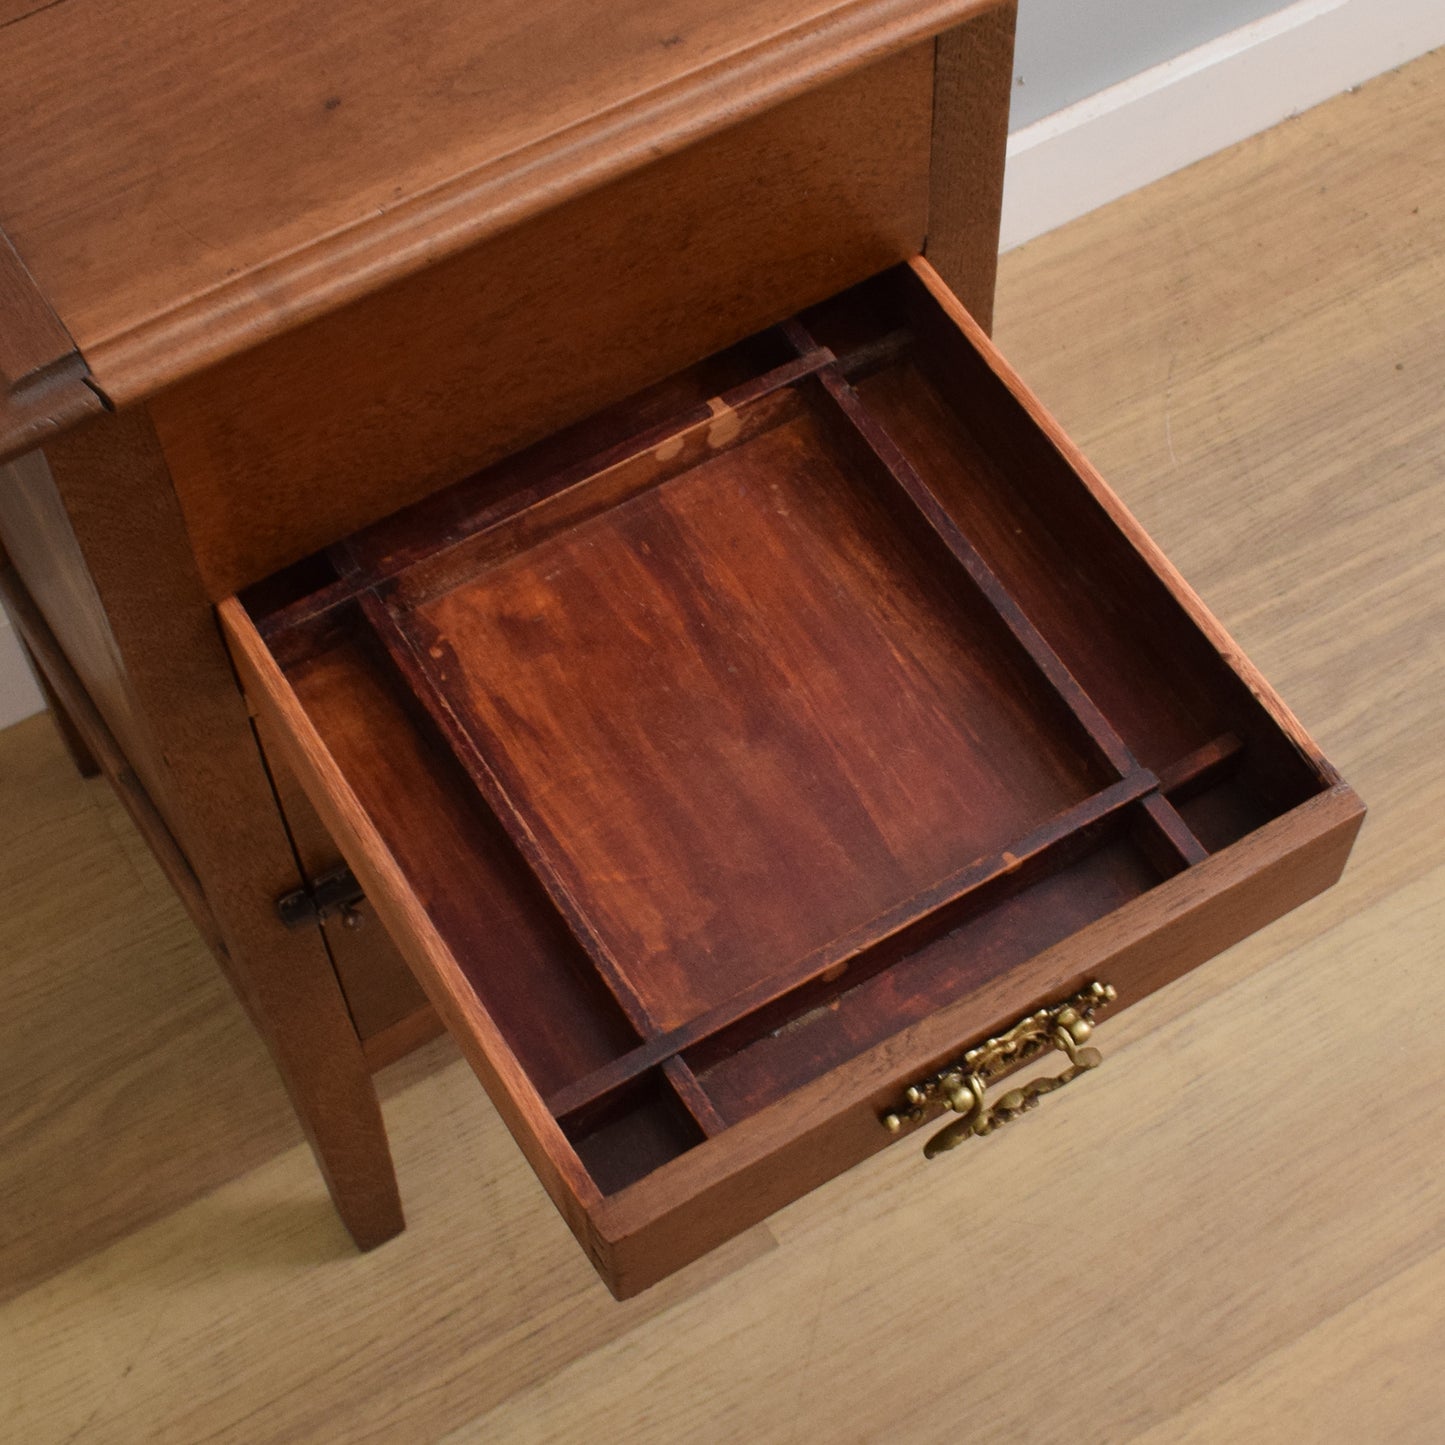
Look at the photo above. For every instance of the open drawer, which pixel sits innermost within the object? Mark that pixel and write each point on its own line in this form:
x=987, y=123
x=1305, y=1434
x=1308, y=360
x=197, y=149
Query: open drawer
x=737, y=759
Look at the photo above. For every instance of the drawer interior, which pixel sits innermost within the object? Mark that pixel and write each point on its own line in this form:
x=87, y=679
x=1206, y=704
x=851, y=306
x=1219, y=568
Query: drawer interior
x=732, y=733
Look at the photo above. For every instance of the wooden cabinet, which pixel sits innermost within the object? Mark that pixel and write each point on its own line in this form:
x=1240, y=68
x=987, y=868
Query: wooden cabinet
x=735, y=696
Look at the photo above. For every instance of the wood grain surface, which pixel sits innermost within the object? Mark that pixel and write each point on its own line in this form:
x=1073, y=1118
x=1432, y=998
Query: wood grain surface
x=768, y=728
x=1209, y=1239
x=973, y=80
x=852, y=737
x=259, y=166
x=42, y=378
x=296, y=443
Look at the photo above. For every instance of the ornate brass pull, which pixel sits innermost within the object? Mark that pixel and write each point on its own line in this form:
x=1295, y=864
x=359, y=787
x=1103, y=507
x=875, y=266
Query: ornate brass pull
x=963, y=1087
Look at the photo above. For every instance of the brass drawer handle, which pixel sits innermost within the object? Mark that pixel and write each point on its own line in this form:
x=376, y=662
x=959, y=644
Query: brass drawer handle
x=963, y=1087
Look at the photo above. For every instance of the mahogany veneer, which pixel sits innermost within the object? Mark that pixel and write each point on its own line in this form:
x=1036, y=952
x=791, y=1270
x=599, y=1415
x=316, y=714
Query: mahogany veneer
x=727, y=761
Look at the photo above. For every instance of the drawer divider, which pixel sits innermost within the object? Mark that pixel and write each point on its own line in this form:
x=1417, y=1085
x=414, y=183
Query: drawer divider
x=694, y=1097
x=401, y=649
x=492, y=515
x=1034, y=850
x=1162, y=817
x=819, y=374
x=867, y=429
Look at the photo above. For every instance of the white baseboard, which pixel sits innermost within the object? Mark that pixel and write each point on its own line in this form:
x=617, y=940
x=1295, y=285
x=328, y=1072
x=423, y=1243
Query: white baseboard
x=1176, y=113
x=19, y=696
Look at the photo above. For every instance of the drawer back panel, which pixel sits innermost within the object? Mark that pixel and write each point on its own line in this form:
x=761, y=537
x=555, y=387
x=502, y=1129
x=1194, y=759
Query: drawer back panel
x=304, y=439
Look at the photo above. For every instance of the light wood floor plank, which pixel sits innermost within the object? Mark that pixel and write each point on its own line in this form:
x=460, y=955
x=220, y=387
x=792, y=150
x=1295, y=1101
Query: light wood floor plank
x=130, y=1081
x=247, y=1316
x=1372, y=1372
x=1207, y=262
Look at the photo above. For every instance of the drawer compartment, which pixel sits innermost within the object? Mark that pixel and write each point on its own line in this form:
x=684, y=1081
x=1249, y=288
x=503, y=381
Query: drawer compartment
x=735, y=758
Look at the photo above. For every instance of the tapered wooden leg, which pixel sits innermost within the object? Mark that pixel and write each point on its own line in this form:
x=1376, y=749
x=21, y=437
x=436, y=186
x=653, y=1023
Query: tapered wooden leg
x=973, y=81
x=295, y=1000
x=96, y=538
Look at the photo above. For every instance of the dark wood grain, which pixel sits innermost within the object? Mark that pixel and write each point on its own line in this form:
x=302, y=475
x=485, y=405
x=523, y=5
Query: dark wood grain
x=1088, y=880
x=693, y=1097
x=524, y=519
x=1098, y=729
x=708, y=1193
x=772, y=721
x=1165, y=820
x=655, y=434
x=422, y=683
x=739, y=770
x=1202, y=766
x=638, y=423
x=784, y=995
x=512, y=949
x=1184, y=680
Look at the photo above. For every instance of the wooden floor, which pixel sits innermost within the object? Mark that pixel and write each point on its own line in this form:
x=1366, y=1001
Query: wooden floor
x=1235, y=1231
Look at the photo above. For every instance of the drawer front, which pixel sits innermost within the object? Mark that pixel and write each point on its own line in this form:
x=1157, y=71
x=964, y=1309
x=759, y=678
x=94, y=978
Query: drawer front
x=305, y=438
x=734, y=760
x=838, y=1120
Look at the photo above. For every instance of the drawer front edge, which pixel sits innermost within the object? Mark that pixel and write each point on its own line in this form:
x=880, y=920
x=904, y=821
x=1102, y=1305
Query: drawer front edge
x=733, y=1182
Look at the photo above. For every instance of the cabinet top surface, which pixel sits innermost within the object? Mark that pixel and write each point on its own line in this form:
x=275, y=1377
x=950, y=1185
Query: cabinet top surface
x=183, y=179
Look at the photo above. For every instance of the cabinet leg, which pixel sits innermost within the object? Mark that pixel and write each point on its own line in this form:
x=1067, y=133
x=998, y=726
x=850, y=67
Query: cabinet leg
x=75, y=745
x=332, y=1091
x=286, y=982
x=96, y=534
x=973, y=80
x=284, y=979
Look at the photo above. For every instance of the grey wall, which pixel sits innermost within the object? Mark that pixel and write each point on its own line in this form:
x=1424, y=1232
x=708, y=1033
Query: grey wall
x=1068, y=49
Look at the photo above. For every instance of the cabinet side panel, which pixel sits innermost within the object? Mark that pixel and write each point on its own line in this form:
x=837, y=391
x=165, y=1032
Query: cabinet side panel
x=283, y=450
x=970, y=135
x=42, y=544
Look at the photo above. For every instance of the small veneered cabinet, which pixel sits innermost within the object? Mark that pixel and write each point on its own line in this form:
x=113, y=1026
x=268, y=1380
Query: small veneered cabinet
x=599, y=539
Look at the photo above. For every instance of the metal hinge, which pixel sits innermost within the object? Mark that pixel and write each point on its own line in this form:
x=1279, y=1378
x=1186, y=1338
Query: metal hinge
x=333, y=893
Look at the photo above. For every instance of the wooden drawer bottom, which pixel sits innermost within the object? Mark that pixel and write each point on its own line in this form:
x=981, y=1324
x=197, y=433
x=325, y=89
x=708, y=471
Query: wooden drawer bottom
x=739, y=757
